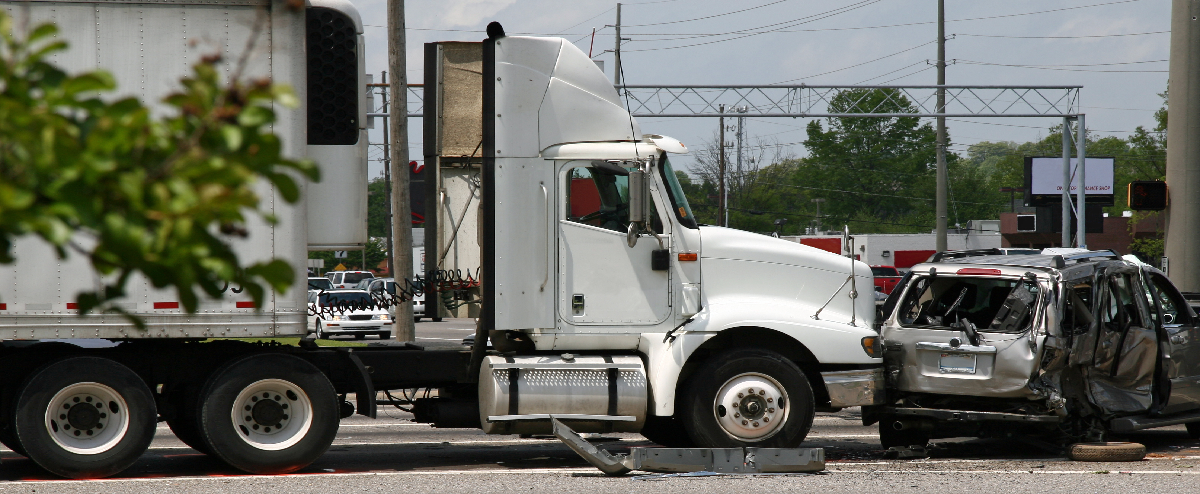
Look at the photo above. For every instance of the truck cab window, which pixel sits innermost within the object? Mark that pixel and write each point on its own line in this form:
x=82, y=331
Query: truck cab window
x=683, y=212
x=599, y=196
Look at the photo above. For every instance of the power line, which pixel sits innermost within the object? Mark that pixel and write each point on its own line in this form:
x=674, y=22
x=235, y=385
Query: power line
x=860, y=64
x=794, y=22
x=1064, y=66
x=1060, y=37
x=706, y=17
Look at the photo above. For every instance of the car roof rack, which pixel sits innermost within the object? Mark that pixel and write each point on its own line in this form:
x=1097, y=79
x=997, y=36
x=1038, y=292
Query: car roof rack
x=959, y=254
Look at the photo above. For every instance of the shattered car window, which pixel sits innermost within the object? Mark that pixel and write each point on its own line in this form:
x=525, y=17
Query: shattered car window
x=991, y=304
x=1077, y=317
x=1120, y=309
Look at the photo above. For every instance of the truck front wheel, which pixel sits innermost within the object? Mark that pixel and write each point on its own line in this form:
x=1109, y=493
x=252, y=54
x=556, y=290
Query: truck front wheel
x=748, y=397
x=85, y=417
x=269, y=414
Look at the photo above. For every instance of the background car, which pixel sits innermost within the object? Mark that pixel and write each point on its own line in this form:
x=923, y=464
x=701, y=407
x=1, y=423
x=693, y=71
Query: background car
x=320, y=283
x=388, y=285
x=347, y=279
x=347, y=312
x=886, y=277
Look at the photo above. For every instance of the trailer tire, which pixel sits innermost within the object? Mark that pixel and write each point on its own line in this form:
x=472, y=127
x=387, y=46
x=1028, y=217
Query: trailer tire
x=757, y=381
x=269, y=414
x=186, y=422
x=1110, y=451
x=8, y=429
x=85, y=427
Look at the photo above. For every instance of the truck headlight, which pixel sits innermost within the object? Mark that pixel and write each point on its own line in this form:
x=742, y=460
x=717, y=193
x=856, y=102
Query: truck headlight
x=873, y=345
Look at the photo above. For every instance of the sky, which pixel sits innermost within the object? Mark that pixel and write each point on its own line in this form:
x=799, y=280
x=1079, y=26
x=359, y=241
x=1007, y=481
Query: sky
x=1116, y=49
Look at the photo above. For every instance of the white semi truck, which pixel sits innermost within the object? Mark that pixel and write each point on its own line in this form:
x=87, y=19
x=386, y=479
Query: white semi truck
x=607, y=306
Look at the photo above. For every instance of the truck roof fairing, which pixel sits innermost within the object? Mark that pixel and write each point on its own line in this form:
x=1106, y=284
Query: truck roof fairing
x=574, y=100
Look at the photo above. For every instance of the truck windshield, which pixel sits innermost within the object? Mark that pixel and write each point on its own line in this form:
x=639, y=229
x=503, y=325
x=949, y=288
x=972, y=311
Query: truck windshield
x=678, y=199
x=991, y=304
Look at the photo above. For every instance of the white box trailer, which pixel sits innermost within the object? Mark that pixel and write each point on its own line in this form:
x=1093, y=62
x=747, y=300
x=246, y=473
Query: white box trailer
x=148, y=46
x=607, y=308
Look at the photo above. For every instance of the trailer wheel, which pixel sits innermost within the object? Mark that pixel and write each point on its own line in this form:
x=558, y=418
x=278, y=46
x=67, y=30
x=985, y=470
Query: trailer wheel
x=8, y=429
x=85, y=417
x=269, y=414
x=186, y=422
x=748, y=397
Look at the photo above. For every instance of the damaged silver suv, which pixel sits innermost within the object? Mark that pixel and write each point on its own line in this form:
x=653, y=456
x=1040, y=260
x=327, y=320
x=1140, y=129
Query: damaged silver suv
x=1063, y=348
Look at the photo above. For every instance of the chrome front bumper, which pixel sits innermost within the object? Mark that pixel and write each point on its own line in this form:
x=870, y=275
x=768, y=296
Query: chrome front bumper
x=854, y=388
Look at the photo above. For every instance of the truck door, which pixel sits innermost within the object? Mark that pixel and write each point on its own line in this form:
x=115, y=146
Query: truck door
x=601, y=280
x=1121, y=378
x=1182, y=365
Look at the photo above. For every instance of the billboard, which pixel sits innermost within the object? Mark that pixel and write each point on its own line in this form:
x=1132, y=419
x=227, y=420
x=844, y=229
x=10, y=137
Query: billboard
x=1044, y=180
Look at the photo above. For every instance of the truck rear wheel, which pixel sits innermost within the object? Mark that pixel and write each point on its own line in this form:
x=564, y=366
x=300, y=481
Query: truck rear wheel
x=85, y=417
x=748, y=397
x=269, y=414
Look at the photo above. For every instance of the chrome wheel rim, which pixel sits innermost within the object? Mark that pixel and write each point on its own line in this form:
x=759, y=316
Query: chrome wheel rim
x=272, y=414
x=751, y=406
x=87, y=418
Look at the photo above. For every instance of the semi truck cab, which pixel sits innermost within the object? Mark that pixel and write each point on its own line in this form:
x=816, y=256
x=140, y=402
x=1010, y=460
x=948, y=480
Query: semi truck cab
x=595, y=250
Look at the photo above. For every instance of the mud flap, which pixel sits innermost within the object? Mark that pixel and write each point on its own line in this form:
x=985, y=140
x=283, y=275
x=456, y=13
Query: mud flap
x=675, y=460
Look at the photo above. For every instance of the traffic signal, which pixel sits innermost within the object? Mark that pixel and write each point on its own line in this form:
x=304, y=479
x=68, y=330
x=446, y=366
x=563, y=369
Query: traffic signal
x=1145, y=195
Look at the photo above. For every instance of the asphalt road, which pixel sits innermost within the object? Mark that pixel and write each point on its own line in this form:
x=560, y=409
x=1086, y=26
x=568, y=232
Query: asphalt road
x=393, y=453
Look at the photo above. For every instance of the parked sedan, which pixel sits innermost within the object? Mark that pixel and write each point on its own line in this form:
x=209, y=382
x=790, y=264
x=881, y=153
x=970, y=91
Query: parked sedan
x=1065, y=348
x=320, y=283
x=347, y=312
x=379, y=286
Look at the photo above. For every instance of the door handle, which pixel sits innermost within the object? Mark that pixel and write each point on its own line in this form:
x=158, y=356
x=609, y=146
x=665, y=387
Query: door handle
x=546, y=244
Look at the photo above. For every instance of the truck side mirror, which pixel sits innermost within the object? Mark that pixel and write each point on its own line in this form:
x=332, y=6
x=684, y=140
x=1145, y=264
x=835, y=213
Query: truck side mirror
x=639, y=203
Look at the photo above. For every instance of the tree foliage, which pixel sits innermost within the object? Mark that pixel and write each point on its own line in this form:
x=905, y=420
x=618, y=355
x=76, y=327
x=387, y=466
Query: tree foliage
x=134, y=193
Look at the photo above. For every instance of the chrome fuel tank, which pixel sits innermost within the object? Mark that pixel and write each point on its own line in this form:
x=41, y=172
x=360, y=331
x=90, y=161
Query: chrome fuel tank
x=592, y=393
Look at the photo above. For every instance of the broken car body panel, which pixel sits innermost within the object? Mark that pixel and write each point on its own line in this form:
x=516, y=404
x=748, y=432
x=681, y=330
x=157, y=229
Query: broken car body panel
x=1086, y=339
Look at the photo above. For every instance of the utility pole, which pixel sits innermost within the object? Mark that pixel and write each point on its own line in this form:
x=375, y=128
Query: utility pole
x=1081, y=199
x=941, y=128
x=387, y=179
x=617, y=50
x=722, y=206
x=398, y=127
x=818, y=201
x=1183, y=156
x=1066, y=192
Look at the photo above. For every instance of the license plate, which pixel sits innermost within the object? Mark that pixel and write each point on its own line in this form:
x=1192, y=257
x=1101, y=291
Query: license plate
x=957, y=363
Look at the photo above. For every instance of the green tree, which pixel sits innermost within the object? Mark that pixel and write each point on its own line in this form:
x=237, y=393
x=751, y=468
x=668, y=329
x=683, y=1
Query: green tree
x=377, y=208
x=877, y=171
x=161, y=196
